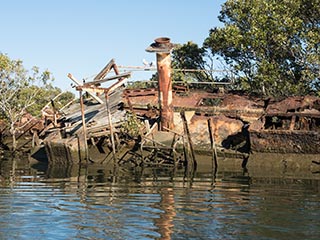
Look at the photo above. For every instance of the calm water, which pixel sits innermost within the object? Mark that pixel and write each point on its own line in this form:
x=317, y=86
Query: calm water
x=103, y=202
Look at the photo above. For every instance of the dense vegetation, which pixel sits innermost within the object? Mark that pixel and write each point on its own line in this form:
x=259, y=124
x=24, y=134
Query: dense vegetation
x=24, y=92
x=271, y=47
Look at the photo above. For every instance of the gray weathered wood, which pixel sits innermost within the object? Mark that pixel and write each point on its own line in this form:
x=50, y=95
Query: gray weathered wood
x=123, y=75
x=105, y=70
x=79, y=84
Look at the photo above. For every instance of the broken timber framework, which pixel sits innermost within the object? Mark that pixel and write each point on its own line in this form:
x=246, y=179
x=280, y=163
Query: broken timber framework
x=97, y=122
x=230, y=121
x=96, y=127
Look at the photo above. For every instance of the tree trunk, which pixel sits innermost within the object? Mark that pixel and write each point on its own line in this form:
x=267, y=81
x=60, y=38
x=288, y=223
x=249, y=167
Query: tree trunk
x=14, y=140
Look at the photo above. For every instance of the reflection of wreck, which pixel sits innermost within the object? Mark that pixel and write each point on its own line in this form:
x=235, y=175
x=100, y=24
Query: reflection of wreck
x=176, y=117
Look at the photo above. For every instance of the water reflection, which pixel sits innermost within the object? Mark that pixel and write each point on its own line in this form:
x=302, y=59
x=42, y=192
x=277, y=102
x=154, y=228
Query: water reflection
x=114, y=202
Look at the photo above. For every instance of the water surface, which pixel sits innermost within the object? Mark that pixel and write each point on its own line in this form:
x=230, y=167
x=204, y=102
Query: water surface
x=103, y=202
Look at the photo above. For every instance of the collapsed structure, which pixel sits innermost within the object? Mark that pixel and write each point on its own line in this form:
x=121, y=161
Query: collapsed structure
x=174, y=117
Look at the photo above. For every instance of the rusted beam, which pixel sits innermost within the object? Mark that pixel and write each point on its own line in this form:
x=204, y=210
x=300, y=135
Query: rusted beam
x=290, y=114
x=140, y=92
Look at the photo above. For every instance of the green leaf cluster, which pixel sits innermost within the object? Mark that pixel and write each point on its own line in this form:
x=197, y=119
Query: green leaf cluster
x=272, y=46
x=190, y=56
x=26, y=92
x=23, y=91
x=132, y=127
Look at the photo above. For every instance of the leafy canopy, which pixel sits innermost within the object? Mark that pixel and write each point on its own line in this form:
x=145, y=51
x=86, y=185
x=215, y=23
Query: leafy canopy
x=22, y=91
x=273, y=46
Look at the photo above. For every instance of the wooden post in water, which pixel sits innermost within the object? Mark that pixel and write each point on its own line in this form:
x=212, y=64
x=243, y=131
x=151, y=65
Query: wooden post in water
x=84, y=127
x=110, y=126
x=213, y=145
x=186, y=130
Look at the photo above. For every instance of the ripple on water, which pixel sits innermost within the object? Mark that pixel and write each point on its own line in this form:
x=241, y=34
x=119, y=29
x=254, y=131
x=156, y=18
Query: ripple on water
x=157, y=204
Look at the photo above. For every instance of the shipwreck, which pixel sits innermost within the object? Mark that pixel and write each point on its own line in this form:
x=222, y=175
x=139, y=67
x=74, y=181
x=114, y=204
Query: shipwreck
x=170, y=123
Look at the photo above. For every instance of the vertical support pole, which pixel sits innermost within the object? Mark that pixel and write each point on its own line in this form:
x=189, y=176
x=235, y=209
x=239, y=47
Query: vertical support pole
x=84, y=127
x=110, y=126
x=186, y=130
x=213, y=145
x=162, y=47
x=165, y=89
x=35, y=139
x=292, y=122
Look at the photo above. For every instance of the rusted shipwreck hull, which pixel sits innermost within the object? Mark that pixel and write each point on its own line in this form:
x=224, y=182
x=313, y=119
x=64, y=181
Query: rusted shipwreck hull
x=284, y=141
x=288, y=126
x=239, y=123
x=244, y=123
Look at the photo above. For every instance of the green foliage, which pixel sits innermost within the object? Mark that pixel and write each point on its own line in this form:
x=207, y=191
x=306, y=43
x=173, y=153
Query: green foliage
x=132, y=127
x=271, y=46
x=18, y=87
x=22, y=92
x=144, y=84
x=191, y=56
x=64, y=99
x=195, y=64
x=44, y=97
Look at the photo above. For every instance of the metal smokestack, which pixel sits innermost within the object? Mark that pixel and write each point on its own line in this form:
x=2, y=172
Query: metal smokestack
x=162, y=47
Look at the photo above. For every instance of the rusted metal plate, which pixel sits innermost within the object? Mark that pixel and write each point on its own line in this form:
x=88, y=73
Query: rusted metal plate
x=285, y=141
x=294, y=104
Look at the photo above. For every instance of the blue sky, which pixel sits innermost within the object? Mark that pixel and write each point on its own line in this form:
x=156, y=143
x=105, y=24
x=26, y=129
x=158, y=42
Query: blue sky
x=80, y=37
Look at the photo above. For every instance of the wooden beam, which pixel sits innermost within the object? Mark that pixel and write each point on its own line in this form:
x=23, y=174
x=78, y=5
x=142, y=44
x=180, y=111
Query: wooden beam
x=123, y=75
x=102, y=90
x=79, y=84
x=91, y=89
x=105, y=70
x=84, y=128
x=115, y=86
x=213, y=145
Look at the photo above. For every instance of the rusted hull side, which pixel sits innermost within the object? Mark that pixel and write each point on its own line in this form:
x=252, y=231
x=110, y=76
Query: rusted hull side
x=282, y=141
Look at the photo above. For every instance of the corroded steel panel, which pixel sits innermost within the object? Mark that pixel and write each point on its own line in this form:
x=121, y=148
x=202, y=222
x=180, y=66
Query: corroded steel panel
x=285, y=141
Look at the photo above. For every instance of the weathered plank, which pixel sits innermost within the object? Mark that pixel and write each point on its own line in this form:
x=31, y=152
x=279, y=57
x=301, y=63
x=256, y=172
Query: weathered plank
x=79, y=84
x=105, y=70
x=123, y=75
